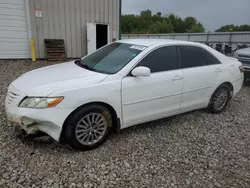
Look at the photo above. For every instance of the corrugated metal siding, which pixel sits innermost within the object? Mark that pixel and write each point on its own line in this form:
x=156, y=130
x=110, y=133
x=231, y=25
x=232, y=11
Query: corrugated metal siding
x=181, y=37
x=14, y=41
x=67, y=19
x=197, y=37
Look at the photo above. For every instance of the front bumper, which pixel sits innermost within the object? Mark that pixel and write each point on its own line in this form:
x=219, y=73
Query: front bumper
x=246, y=63
x=32, y=121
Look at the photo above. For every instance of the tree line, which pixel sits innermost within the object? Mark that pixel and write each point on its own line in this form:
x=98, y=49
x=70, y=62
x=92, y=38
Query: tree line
x=148, y=23
x=233, y=28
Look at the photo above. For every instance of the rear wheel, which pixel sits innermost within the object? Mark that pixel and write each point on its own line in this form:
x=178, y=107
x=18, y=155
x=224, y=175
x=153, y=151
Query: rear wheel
x=219, y=99
x=88, y=127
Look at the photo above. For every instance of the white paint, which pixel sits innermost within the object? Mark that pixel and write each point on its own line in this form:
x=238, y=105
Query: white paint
x=198, y=82
x=109, y=33
x=143, y=97
x=91, y=37
x=135, y=99
x=141, y=72
x=14, y=37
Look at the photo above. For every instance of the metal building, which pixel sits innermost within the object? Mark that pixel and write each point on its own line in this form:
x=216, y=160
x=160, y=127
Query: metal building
x=85, y=25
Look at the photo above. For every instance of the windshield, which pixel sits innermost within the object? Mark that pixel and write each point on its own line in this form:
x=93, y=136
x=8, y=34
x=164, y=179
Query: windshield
x=112, y=58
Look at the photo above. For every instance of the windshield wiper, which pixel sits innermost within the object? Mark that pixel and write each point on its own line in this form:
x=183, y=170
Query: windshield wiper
x=79, y=63
x=85, y=66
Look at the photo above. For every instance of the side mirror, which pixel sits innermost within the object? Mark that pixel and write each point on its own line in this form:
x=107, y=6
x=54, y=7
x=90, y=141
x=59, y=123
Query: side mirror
x=141, y=72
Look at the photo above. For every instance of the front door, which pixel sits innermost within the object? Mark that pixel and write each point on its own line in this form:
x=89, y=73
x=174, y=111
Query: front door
x=153, y=97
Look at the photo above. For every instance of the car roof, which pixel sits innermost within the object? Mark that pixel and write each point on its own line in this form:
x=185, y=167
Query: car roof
x=159, y=42
x=150, y=42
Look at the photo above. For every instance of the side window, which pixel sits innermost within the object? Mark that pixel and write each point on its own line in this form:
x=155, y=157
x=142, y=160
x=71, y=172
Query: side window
x=192, y=56
x=211, y=60
x=162, y=59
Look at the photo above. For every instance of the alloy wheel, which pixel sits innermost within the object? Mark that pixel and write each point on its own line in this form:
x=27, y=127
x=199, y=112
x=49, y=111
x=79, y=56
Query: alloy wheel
x=91, y=129
x=220, y=99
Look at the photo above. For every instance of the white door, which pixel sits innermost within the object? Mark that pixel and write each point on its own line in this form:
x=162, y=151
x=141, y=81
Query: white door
x=14, y=42
x=91, y=37
x=201, y=73
x=153, y=97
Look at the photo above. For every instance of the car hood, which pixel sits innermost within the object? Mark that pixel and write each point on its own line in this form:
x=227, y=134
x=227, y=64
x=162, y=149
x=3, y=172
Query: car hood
x=245, y=51
x=44, y=81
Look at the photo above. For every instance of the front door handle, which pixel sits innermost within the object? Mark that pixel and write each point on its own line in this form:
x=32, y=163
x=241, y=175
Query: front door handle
x=218, y=70
x=176, y=78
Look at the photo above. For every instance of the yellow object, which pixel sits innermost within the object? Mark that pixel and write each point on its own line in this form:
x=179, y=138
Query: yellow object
x=33, y=49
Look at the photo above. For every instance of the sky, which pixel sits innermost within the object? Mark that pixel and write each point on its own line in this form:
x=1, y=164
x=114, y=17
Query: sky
x=211, y=13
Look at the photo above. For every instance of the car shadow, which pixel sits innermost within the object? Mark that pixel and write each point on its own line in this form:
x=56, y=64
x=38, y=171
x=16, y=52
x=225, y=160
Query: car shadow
x=43, y=142
x=46, y=143
x=168, y=122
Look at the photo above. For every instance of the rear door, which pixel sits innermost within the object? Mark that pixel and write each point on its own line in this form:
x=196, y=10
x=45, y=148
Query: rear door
x=201, y=73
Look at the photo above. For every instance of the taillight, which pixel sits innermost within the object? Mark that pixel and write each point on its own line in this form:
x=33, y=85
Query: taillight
x=241, y=68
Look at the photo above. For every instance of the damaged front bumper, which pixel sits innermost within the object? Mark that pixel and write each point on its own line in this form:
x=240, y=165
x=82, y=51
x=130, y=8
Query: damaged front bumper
x=33, y=121
x=26, y=124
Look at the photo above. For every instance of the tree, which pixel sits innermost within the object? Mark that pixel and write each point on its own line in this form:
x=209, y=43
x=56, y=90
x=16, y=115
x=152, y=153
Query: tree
x=197, y=28
x=161, y=27
x=146, y=22
x=176, y=22
x=129, y=23
x=233, y=28
x=244, y=28
x=190, y=23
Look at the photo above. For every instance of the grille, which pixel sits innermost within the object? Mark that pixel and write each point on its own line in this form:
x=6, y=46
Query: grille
x=245, y=61
x=244, y=56
x=12, y=98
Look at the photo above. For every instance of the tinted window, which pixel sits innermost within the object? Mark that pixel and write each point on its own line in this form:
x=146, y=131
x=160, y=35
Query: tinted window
x=192, y=57
x=162, y=59
x=195, y=57
x=211, y=60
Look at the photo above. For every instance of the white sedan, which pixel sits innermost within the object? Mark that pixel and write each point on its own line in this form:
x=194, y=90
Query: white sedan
x=120, y=85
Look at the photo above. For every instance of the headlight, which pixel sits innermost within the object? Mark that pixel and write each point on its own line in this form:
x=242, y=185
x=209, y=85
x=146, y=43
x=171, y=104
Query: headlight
x=40, y=102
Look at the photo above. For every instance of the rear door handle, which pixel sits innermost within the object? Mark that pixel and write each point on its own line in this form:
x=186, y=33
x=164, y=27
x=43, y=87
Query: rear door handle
x=218, y=70
x=176, y=78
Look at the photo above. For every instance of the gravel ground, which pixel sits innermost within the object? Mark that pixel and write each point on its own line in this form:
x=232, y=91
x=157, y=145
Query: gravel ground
x=191, y=150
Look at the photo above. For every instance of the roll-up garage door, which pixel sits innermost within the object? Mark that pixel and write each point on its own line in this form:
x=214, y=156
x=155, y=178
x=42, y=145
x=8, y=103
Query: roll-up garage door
x=14, y=42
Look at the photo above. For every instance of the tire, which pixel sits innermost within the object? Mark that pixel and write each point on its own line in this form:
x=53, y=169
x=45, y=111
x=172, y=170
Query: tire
x=217, y=104
x=87, y=123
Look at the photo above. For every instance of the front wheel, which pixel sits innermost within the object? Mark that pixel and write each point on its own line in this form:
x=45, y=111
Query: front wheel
x=88, y=127
x=219, y=99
